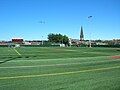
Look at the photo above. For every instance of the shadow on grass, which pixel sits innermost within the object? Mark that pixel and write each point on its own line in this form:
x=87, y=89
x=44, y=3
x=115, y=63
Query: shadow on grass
x=10, y=59
x=13, y=58
x=118, y=49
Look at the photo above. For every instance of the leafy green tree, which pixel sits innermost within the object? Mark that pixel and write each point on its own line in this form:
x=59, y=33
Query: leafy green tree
x=65, y=40
x=58, y=38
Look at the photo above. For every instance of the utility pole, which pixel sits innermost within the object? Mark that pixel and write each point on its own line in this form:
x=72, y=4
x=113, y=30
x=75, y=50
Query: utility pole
x=42, y=40
x=42, y=22
x=90, y=17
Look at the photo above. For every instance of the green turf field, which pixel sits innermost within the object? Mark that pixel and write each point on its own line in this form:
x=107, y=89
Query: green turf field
x=54, y=68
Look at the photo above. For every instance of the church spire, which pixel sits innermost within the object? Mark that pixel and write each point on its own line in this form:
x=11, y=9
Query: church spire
x=81, y=34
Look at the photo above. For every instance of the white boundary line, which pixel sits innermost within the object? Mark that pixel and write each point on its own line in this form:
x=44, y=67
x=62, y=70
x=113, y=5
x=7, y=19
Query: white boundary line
x=16, y=51
x=65, y=64
x=60, y=59
x=9, y=84
x=56, y=74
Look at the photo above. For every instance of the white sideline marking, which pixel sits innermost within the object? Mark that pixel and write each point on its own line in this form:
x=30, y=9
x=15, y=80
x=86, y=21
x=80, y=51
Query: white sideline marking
x=17, y=51
x=56, y=74
x=69, y=50
x=96, y=81
x=49, y=65
x=80, y=58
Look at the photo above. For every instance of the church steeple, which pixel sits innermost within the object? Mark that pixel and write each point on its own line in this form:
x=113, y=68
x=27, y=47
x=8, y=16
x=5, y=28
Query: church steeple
x=81, y=34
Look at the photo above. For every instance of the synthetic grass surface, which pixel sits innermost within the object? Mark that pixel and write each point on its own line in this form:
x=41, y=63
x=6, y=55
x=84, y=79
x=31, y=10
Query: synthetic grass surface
x=48, y=68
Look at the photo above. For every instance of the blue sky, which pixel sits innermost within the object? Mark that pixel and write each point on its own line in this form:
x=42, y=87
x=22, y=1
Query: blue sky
x=20, y=18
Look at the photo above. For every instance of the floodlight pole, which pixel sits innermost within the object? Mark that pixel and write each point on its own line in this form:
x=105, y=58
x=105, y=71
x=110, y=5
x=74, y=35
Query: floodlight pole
x=90, y=33
x=70, y=41
x=42, y=40
x=90, y=43
x=42, y=22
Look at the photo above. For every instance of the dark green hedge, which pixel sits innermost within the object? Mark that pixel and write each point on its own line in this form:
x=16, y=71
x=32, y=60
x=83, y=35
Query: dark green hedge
x=3, y=45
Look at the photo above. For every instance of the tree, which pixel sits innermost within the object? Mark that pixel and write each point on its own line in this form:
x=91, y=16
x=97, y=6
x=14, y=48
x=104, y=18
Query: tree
x=65, y=40
x=58, y=38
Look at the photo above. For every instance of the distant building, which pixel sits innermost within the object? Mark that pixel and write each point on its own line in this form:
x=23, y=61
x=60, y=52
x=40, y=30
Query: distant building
x=33, y=42
x=116, y=41
x=17, y=40
x=3, y=43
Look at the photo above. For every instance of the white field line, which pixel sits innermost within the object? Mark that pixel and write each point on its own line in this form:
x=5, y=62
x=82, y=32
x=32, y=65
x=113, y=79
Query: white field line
x=16, y=51
x=56, y=74
x=65, y=50
x=9, y=84
x=50, y=65
x=57, y=50
x=80, y=58
x=4, y=85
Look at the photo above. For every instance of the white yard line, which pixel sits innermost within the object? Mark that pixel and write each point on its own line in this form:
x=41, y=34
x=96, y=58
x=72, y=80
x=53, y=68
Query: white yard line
x=108, y=78
x=16, y=51
x=50, y=65
x=80, y=58
x=56, y=74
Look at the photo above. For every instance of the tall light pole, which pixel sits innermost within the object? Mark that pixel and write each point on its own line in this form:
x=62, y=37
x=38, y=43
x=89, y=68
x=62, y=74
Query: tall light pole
x=90, y=17
x=42, y=40
x=42, y=22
